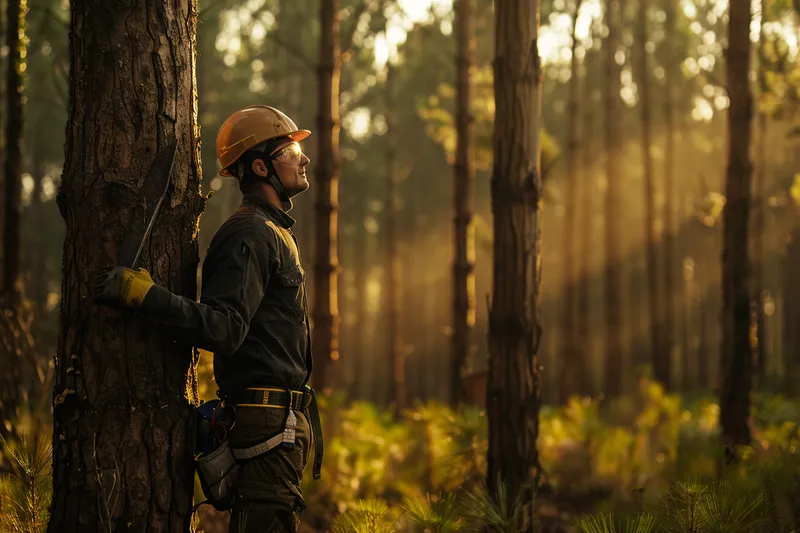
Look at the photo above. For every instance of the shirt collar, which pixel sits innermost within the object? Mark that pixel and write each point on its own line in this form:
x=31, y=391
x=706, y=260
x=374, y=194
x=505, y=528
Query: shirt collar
x=270, y=210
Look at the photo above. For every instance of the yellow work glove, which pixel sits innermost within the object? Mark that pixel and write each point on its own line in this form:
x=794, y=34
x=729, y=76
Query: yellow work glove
x=119, y=286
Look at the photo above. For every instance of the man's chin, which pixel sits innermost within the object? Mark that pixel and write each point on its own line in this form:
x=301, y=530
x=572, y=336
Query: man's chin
x=300, y=187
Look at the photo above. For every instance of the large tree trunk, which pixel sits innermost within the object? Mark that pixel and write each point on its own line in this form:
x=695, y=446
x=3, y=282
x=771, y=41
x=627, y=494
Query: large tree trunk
x=671, y=77
x=394, y=340
x=514, y=327
x=325, y=334
x=123, y=435
x=614, y=326
x=735, y=353
x=572, y=363
x=13, y=163
x=660, y=360
x=464, y=261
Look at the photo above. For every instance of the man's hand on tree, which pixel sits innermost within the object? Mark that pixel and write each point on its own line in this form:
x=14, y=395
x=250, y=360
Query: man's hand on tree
x=120, y=286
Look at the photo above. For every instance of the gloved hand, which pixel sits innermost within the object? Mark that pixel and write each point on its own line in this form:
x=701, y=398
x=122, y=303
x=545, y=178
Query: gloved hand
x=119, y=286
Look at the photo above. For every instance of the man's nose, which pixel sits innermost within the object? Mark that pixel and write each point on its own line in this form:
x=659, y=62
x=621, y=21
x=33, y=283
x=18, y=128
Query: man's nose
x=305, y=160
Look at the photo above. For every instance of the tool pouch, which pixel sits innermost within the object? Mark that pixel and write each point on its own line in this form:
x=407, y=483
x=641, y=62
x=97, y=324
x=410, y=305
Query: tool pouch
x=218, y=472
x=214, y=461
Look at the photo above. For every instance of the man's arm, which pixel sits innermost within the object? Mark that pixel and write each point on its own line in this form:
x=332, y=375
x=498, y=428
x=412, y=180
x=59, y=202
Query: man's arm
x=232, y=291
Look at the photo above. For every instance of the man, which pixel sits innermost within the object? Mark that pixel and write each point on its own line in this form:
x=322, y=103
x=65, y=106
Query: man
x=253, y=315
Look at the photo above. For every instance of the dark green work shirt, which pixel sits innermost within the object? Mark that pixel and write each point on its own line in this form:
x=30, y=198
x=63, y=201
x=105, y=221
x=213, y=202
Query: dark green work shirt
x=253, y=312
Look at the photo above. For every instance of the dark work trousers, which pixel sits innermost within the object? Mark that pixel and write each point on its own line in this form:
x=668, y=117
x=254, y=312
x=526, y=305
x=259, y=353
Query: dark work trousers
x=268, y=496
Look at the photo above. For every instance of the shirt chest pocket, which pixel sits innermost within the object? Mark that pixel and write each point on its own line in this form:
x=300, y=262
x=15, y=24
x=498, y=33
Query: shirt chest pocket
x=292, y=291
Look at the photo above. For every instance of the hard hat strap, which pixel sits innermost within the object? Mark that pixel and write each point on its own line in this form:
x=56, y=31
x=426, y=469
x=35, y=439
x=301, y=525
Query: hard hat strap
x=275, y=181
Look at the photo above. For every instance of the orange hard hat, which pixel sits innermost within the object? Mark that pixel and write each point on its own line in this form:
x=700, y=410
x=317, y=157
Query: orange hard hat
x=250, y=127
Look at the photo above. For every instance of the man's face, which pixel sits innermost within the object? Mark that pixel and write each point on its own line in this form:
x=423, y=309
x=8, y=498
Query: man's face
x=290, y=164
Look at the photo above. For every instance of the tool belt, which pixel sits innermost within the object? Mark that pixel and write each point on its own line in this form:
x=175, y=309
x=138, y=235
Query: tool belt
x=291, y=401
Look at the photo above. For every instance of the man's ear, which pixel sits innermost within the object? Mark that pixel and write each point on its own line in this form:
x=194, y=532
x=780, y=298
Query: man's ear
x=259, y=167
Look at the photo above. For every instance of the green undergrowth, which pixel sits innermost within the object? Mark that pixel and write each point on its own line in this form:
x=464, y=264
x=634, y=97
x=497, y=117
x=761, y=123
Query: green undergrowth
x=619, y=458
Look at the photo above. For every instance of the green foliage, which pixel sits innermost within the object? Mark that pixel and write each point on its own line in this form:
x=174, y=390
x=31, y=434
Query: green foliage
x=505, y=513
x=25, y=492
x=605, y=523
x=371, y=516
x=435, y=514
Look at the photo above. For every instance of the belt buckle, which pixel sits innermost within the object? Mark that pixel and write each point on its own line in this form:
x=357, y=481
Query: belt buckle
x=265, y=399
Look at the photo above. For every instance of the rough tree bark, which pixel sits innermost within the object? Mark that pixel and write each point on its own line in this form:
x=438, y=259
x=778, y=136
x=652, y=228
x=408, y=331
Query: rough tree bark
x=736, y=371
x=122, y=435
x=513, y=394
x=659, y=359
x=325, y=316
x=394, y=340
x=464, y=261
x=614, y=326
x=572, y=364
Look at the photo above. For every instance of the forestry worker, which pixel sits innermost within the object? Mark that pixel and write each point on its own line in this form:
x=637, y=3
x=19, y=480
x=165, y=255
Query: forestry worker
x=253, y=314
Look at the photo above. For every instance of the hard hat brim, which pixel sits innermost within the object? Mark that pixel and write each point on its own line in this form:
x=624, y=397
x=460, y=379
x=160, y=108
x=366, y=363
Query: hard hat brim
x=299, y=135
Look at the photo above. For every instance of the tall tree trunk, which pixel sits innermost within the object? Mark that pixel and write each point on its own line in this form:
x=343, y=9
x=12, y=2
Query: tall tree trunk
x=464, y=261
x=513, y=393
x=360, y=271
x=587, y=210
x=325, y=335
x=11, y=338
x=394, y=340
x=671, y=77
x=572, y=364
x=614, y=326
x=759, y=177
x=735, y=353
x=16, y=42
x=122, y=431
x=791, y=315
x=660, y=360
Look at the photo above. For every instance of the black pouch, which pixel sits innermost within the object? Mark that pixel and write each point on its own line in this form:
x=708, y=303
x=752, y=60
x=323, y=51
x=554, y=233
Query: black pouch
x=216, y=466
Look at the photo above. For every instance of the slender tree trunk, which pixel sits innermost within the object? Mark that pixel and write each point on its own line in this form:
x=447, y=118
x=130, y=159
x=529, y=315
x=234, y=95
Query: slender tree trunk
x=671, y=77
x=735, y=353
x=759, y=177
x=360, y=271
x=464, y=262
x=325, y=335
x=123, y=430
x=513, y=393
x=704, y=351
x=11, y=338
x=16, y=41
x=660, y=360
x=572, y=367
x=614, y=326
x=587, y=222
x=395, y=341
x=791, y=315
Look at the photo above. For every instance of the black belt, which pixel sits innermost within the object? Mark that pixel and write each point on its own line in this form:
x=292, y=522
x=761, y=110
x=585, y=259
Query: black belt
x=269, y=397
x=281, y=398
